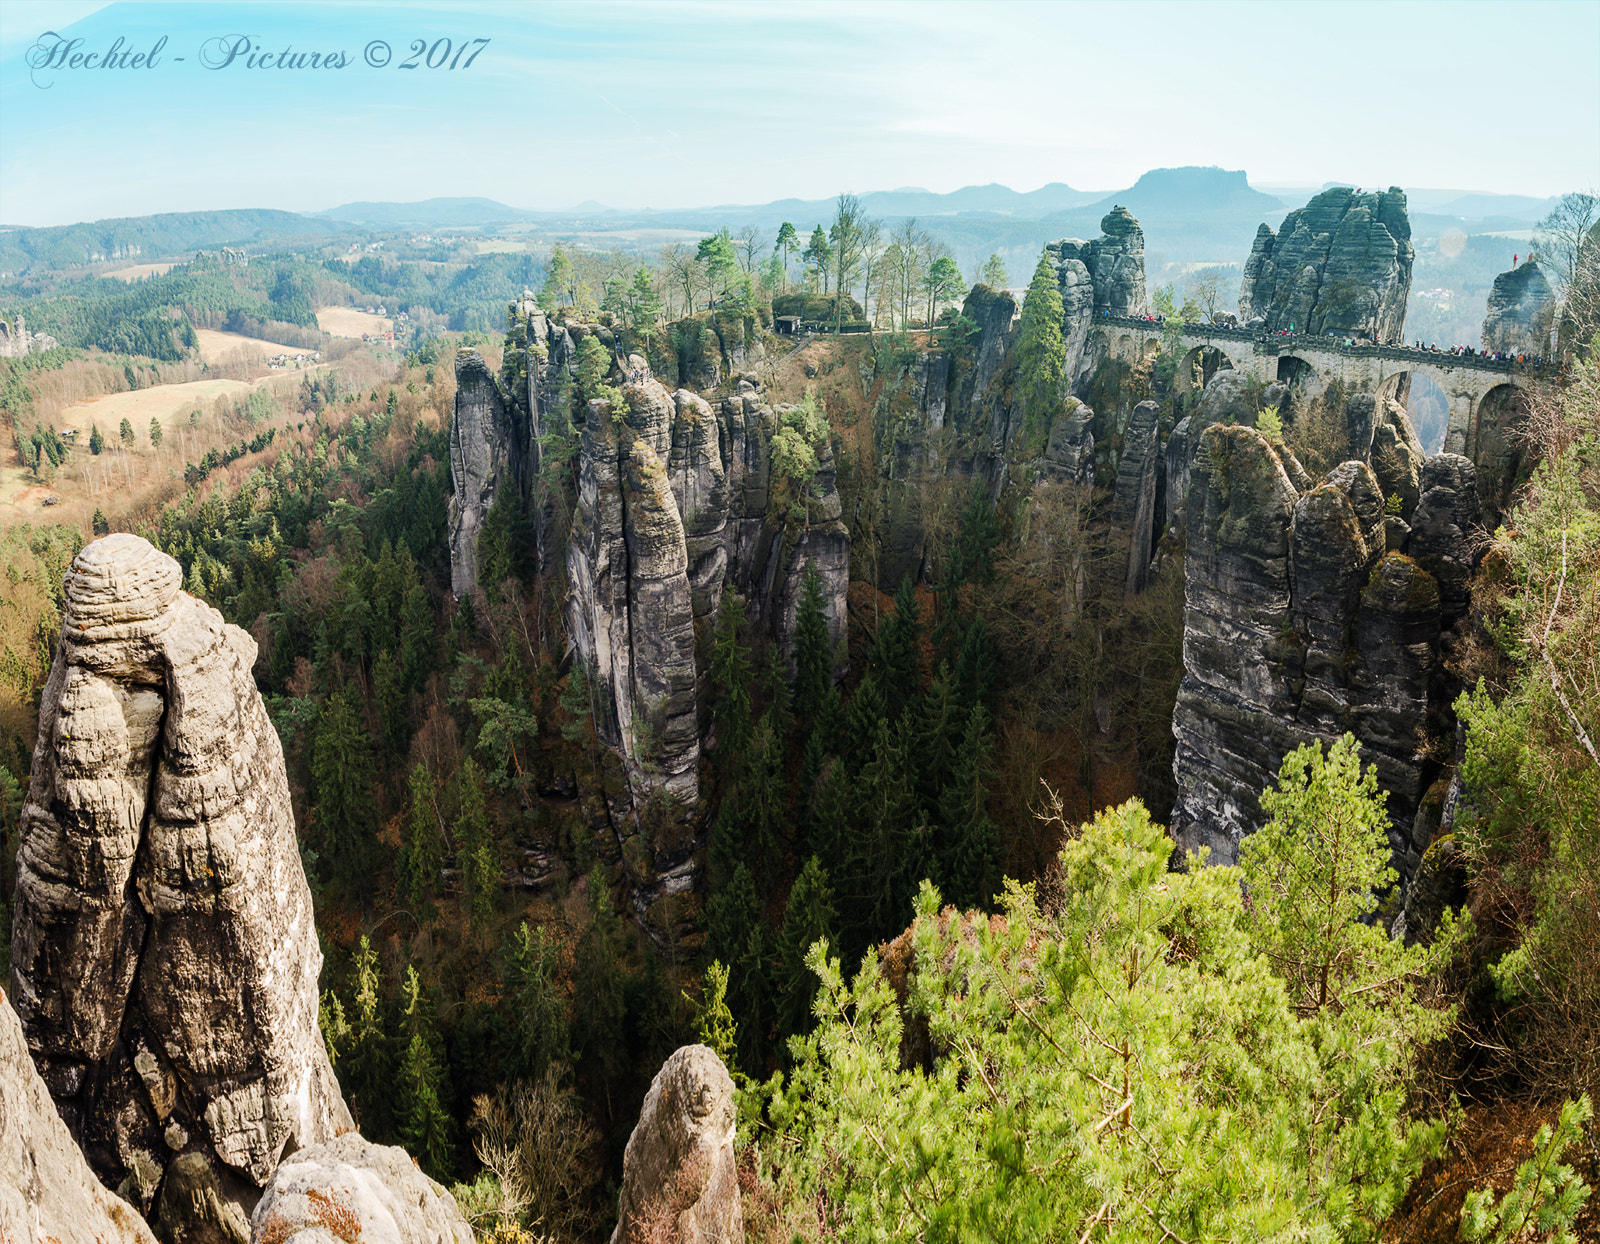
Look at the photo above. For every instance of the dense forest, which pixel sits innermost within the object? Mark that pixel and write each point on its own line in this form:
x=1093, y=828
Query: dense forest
x=959, y=1003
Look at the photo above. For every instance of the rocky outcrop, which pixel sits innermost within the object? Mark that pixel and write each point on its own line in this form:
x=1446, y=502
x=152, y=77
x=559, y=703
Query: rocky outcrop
x=1098, y=278
x=16, y=340
x=164, y=961
x=351, y=1189
x=1139, y=495
x=1300, y=623
x=1069, y=453
x=47, y=1191
x=1521, y=311
x=1443, y=526
x=486, y=452
x=680, y=1183
x=675, y=500
x=1341, y=264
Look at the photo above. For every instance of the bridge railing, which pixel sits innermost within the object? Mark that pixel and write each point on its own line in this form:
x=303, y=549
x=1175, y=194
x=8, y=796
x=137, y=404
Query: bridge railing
x=1278, y=343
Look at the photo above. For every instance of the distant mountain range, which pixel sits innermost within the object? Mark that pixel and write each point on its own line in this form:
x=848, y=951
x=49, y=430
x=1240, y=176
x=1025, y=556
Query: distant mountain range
x=1189, y=215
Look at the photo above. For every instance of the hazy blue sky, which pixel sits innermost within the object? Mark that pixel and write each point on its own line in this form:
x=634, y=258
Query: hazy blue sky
x=681, y=104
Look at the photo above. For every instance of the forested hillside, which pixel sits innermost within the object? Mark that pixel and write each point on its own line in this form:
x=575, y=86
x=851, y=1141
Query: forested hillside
x=960, y=1002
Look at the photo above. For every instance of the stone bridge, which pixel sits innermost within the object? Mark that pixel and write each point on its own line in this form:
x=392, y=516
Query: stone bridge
x=1479, y=390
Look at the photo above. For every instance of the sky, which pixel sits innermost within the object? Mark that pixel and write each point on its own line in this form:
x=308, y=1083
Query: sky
x=674, y=104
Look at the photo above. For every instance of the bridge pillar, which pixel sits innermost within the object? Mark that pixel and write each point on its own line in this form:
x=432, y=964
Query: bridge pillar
x=1460, y=436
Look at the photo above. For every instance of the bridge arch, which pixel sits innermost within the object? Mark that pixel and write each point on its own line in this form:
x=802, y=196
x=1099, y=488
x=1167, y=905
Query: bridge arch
x=1497, y=448
x=1199, y=365
x=1299, y=374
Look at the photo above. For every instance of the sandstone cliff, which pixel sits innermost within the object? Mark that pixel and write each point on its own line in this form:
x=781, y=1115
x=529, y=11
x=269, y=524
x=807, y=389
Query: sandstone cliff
x=1301, y=622
x=1341, y=264
x=1098, y=278
x=1520, y=313
x=488, y=445
x=680, y=1182
x=47, y=1191
x=164, y=961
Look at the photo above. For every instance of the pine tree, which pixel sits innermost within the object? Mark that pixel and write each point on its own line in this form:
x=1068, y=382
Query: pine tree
x=100, y=525
x=417, y=644
x=976, y=666
x=391, y=701
x=813, y=655
x=867, y=709
x=938, y=724
x=421, y=850
x=543, y=1027
x=476, y=853
x=969, y=863
x=97, y=441
x=1041, y=354
x=897, y=653
x=764, y=796
x=808, y=918
x=833, y=811
x=775, y=697
x=366, y=1068
x=887, y=805
x=129, y=436
x=730, y=915
x=424, y=1123
x=155, y=432
x=599, y=1007
x=731, y=677
x=345, y=827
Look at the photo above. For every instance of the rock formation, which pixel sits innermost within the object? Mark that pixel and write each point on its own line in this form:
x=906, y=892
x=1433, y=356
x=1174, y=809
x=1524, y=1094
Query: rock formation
x=1300, y=623
x=1139, y=496
x=674, y=500
x=1520, y=313
x=487, y=447
x=164, y=961
x=351, y=1189
x=47, y=1191
x=680, y=1182
x=1341, y=264
x=1098, y=278
x=16, y=341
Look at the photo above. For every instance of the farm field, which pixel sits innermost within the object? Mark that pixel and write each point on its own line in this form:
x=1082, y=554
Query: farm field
x=140, y=270
x=348, y=322
x=86, y=479
x=216, y=346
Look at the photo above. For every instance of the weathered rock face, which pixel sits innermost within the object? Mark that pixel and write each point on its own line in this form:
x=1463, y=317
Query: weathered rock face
x=1520, y=313
x=164, y=962
x=1139, y=493
x=1340, y=264
x=680, y=1184
x=1098, y=278
x=1300, y=623
x=351, y=1189
x=486, y=453
x=1442, y=527
x=675, y=500
x=47, y=1191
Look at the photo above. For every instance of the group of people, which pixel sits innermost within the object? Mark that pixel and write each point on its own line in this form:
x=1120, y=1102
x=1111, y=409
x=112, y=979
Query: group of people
x=1496, y=356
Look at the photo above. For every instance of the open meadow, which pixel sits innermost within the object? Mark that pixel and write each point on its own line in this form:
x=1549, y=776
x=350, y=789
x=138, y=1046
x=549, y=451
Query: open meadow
x=349, y=322
x=216, y=346
x=138, y=271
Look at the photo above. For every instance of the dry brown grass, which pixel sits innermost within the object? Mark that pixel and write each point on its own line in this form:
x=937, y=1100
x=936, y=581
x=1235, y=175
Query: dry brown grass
x=139, y=271
x=216, y=347
x=348, y=322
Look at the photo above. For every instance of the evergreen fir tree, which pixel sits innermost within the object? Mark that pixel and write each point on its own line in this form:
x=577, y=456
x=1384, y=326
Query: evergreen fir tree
x=813, y=656
x=887, y=805
x=390, y=696
x=366, y=1069
x=424, y=1122
x=599, y=1009
x=421, y=850
x=765, y=801
x=750, y=998
x=731, y=676
x=867, y=709
x=345, y=828
x=809, y=918
x=832, y=816
x=542, y=1027
x=897, y=653
x=97, y=440
x=937, y=728
x=475, y=849
x=417, y=645
x=1041, y=353
x=100, y=524
x=775, y=698
x=969, y=863
x=730, y=915
x=976, y=666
